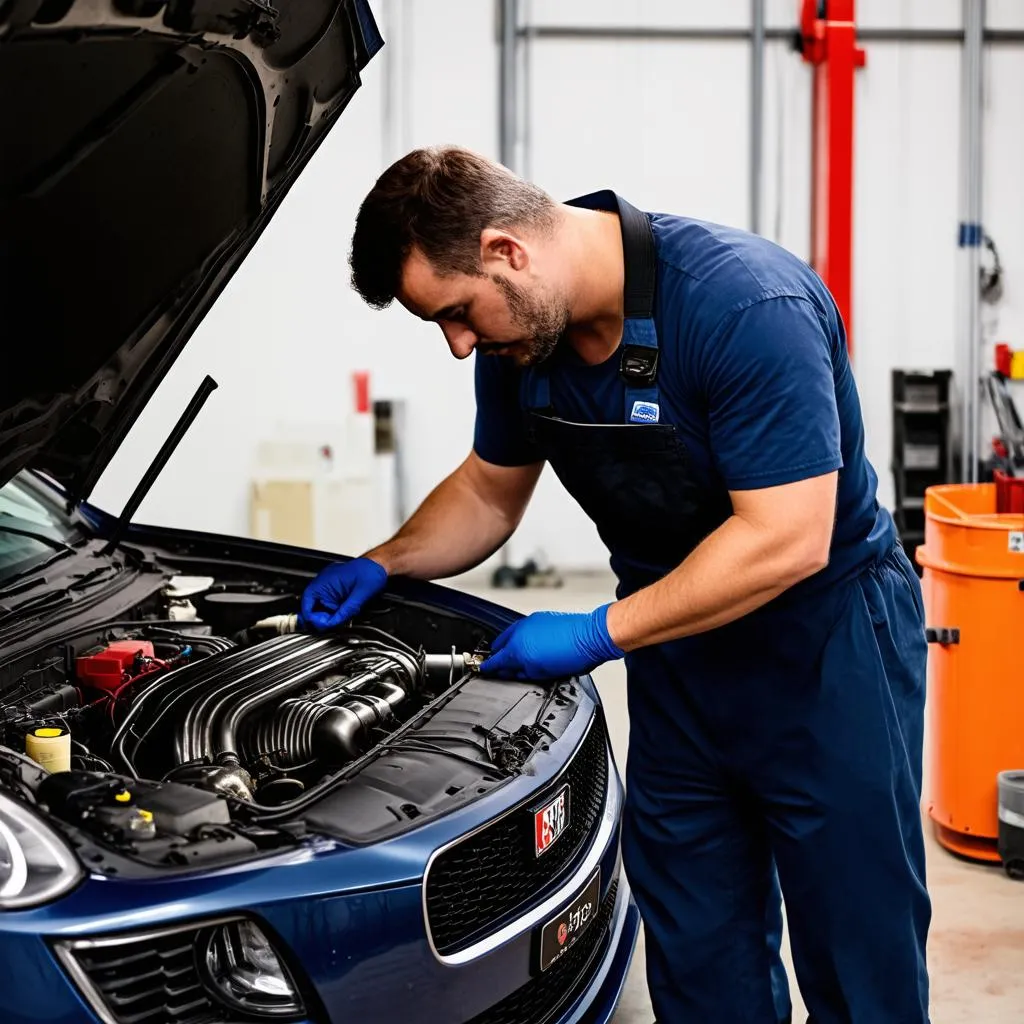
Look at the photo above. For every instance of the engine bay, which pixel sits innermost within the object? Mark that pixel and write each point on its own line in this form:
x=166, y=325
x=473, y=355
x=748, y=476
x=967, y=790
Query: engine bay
x=202, y=729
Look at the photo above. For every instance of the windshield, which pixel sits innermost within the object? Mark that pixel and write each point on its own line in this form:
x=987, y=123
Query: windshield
x=32, y=528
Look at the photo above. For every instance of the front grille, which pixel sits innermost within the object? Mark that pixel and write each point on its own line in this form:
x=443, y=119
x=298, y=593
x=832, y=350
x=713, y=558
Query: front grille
x=546, y=995
x=149, y=980
x=486, y=877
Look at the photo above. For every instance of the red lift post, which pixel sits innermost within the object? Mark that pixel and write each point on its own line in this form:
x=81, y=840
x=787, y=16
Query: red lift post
x=829, y=42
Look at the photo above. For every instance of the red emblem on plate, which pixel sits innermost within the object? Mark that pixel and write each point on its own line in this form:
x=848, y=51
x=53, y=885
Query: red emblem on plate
x=551, y=821
x=563, y=933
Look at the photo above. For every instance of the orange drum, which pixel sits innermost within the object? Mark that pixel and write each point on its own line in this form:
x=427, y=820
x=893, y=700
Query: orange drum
x=973, y=559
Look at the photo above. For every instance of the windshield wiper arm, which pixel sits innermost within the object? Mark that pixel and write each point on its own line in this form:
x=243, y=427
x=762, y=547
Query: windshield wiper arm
x=57, y=598
x=44, y=538
x=93, y=576
x=13, y=584
x=28, y=578
x=39, y=603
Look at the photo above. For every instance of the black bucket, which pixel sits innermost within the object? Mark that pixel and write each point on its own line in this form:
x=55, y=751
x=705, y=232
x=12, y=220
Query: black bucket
x=1011, y=822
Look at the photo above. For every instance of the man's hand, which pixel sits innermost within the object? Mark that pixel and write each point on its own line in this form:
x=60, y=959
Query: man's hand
x=552, y=645
x=339, y=592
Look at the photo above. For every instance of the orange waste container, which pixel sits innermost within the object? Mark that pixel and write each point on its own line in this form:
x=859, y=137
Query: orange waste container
x=973, y=560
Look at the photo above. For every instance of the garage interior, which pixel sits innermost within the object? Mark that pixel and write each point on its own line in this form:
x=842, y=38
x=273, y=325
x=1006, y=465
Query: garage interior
x=881, y=140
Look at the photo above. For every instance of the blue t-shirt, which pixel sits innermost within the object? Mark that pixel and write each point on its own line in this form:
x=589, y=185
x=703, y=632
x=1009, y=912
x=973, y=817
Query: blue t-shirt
x=753, y=374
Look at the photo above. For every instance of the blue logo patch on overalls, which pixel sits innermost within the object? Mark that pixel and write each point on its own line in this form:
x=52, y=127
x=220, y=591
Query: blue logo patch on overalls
x=645, y=412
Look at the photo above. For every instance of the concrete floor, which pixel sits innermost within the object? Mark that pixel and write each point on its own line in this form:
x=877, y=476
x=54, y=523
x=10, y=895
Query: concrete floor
x=976, y=944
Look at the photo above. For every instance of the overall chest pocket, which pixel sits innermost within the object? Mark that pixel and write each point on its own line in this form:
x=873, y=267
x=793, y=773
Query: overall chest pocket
x=635, y=482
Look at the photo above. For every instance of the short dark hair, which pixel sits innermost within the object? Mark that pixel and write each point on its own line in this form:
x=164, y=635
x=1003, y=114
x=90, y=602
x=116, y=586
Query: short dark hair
x=437, y=200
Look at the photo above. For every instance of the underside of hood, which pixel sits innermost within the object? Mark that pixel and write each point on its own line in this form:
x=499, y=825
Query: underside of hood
x=145, y=145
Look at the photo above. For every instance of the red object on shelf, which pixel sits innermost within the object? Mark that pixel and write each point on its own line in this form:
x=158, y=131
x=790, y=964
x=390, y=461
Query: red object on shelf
x=1009, y=493
x=104, y=669
x=830, y=44
x=361, y=380
x=1004, y=359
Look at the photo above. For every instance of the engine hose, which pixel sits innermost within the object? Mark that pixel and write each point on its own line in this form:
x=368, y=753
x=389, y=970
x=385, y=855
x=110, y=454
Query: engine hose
x=222, y=728
x=302, y=731
x=177, y=689
x=270, y=678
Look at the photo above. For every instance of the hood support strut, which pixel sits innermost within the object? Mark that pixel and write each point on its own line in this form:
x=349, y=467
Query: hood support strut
x=180, y=429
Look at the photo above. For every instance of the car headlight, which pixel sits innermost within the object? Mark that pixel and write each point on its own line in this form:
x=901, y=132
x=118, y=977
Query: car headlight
x=36, y=865
x=246, y=972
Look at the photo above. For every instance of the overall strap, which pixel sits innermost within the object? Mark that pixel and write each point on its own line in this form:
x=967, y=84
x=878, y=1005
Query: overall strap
x=638, y=366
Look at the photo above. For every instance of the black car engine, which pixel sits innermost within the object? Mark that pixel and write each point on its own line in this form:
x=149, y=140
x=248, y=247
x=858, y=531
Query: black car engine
x=258, y=720
x=263, y=722
x=196, y=731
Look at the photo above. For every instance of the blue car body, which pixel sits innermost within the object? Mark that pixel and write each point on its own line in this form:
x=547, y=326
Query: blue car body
x=152, y=142
x=353, y=922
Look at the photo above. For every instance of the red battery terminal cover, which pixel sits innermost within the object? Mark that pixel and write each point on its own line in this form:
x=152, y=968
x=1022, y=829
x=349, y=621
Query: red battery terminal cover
x=105, y=667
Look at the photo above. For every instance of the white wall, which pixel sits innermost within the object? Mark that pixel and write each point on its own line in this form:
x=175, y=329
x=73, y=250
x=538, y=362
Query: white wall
x=908, y=272
x=905, y=226
x=1003, y=208
x=665, y=123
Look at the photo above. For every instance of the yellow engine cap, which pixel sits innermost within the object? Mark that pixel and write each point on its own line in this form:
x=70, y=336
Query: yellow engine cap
x=145, y=815
x=48, y=734
x=123, y=797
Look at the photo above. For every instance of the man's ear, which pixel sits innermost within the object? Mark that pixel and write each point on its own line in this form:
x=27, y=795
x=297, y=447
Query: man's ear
x=501, y=251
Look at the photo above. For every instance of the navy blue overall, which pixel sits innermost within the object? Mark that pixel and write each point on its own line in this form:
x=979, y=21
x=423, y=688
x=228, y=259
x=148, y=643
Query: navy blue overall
x=788, y=741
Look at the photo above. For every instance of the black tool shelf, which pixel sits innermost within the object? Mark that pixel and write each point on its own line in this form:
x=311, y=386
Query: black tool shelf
x=921, y=445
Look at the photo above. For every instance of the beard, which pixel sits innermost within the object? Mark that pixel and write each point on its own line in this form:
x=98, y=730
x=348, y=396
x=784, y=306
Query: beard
x=542, y=322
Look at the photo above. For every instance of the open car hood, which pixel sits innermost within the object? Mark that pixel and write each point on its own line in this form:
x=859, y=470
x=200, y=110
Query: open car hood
x=145, y=145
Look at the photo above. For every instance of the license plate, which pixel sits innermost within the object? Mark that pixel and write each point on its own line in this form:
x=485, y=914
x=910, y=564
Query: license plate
x=550, y=821
x=561, y=933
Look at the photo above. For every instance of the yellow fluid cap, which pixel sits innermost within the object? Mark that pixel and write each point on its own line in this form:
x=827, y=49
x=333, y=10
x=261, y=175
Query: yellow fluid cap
x=49, y=733
x=123, y=797
x=145, y=815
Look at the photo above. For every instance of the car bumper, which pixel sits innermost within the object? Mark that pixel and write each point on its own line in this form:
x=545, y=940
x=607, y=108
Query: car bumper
x=365, y=955
x=598, y=1001
x=37, y=990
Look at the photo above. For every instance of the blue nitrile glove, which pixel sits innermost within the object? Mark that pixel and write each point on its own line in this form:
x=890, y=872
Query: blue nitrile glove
x=339, y=592
x=551, y=645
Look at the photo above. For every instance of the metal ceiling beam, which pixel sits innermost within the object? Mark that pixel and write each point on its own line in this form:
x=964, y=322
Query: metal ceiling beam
x=611, y=33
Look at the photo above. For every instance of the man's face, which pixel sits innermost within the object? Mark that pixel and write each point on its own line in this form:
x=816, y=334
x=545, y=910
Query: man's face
x=519, y=319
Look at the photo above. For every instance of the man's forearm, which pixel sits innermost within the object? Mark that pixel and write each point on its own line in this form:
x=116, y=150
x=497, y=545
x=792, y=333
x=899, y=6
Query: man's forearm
x=455, y=529
x=734, y=571
x=451, y=532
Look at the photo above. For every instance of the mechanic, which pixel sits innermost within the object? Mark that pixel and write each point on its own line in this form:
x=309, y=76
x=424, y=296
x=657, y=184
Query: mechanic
x=689, y=385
